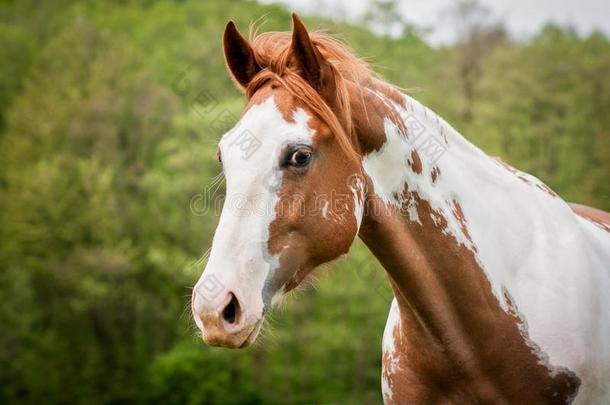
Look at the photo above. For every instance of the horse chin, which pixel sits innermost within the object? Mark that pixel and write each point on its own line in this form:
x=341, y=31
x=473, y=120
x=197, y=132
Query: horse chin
x=251, y=338
x=240, y=340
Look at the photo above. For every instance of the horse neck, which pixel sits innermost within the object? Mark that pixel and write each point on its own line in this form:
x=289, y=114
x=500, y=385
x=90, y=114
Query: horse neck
x=415, y=223
x=429, y=188
x=431, y=195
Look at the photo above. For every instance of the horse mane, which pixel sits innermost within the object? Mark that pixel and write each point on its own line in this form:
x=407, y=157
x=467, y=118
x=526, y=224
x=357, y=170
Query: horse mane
x=273, y=53
x=272, y=49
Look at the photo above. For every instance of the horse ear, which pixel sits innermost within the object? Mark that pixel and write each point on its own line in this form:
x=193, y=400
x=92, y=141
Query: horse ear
x=309, y=61
x=239, y=56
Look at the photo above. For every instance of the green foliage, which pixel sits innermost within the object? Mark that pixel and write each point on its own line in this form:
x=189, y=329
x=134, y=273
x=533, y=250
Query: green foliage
x=549, y=115
x=190, y=374
x=109, y=117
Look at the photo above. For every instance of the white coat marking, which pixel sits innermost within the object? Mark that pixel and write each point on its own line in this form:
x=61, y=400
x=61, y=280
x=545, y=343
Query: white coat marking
x=240, y=260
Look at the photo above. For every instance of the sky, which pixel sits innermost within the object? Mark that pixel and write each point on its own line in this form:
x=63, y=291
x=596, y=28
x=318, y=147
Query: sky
x=521, y=17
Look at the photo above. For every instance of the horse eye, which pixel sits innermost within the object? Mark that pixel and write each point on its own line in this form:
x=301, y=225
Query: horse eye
x=299, y=158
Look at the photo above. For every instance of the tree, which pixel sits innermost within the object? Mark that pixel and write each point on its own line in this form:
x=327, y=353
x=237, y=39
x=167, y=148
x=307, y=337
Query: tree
x=476, y=38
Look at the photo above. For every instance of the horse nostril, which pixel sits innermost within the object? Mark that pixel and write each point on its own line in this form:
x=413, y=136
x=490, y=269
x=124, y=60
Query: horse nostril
x=230, y=312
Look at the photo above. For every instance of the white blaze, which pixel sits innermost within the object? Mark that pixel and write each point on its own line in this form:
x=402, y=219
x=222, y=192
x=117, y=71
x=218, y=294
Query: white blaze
x=240, y=261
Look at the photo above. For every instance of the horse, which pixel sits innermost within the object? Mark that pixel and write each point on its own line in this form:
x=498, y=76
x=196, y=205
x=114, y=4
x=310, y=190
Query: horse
x=501, y=288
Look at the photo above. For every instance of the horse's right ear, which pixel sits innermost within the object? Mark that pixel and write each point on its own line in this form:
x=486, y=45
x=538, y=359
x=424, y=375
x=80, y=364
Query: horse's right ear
x=239, y=56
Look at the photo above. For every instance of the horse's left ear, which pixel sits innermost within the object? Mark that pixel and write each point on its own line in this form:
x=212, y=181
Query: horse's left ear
x=310, y=63
x=239, y=56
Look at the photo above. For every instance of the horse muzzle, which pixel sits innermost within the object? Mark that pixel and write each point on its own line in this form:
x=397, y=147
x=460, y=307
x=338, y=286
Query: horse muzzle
x=225, y=323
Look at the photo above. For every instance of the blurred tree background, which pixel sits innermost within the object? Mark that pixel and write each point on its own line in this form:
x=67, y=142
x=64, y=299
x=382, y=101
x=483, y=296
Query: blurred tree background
x=109, y=117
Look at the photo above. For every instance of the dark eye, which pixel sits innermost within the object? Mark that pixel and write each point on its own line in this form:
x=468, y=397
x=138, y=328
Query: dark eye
x=299, y=158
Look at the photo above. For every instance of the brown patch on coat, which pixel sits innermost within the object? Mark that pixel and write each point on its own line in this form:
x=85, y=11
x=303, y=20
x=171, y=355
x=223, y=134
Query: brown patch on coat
x=435, y=173
x=459, y=215
x=457, y=344
x=367, y=119
x=369, y=112
x=415, y=162
x=598, y=217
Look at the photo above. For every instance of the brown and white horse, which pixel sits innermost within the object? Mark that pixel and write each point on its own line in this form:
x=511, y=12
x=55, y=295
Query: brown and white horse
x=502, y=290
